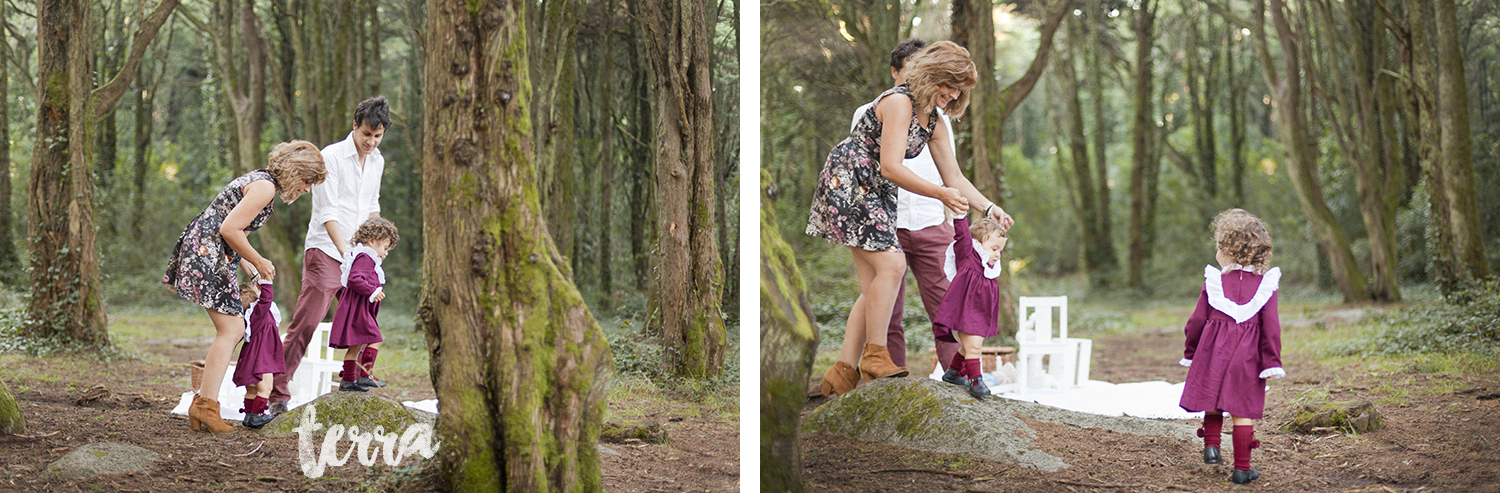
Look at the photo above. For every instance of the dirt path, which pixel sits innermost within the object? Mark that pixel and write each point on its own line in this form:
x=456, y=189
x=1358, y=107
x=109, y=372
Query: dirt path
x=1435, y=440
x=704, y=456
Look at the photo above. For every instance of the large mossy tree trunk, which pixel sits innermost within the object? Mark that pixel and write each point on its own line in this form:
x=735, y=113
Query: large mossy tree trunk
x=688, y=289
x=1457, y=144
x=788, y=345
x=1143, y=131
x=12, y=420
x=67, y=301
x=1301, y=156
x=519, y=363
x=1421, y=108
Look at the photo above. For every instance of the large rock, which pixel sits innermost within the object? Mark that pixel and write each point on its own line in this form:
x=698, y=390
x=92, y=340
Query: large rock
x=361, y=409
x=102, y=458
x=925, y=414
x=1357, y=416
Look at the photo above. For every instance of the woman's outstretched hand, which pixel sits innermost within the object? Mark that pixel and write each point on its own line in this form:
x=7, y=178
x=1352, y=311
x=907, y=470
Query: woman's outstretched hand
x=1001, y=217
x=267, y=271
x=953, y=199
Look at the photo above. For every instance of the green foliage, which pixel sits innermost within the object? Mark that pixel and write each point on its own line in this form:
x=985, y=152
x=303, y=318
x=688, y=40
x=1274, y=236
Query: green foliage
x=1468, y=322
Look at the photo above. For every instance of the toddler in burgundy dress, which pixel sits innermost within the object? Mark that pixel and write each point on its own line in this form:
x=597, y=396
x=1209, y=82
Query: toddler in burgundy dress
x=970, y=310
x=354, y=326
x=261, y=355
x=1234, y=339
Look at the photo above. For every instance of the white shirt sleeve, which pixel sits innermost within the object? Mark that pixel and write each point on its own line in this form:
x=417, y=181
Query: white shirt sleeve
x=323, y=209
x=372, y=204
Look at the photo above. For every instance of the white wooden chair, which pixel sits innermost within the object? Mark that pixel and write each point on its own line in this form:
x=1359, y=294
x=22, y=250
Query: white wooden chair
x=318, y=372
x=1067, y=359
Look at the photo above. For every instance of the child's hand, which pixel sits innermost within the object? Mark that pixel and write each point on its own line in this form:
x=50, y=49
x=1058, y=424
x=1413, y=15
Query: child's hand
x=378, y=296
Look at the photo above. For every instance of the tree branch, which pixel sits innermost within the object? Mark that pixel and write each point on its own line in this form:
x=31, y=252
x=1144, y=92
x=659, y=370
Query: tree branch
x=1224, y=12
x=1016, y=92
x=107, y=95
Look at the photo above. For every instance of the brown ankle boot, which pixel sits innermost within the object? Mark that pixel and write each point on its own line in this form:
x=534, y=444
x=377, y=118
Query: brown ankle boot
x=876, y=363
x=840, y=379
x=204, y=414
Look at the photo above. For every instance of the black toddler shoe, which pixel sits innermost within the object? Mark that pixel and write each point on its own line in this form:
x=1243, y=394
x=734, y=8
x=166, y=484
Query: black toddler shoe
x=1211, y=455
x=978, y=389
x=258, y=420
x=352, y=387
x=1244, y=477
x=369, y=382
x=952, y=376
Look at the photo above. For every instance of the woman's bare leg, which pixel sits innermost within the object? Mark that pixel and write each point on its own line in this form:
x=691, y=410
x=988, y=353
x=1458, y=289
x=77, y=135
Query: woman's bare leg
x=230, y=329
x=854, y=327
x=879, y=294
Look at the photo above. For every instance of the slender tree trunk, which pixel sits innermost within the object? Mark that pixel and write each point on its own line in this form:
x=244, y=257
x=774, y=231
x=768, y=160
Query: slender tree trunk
x=607, y=160
x=1103, y=218
x=788, y=345
x=1236, y=106
x=1097, y=257
x=690, y=278
x=974, y=28
x=9, y=261
x=66, y=297
x=1421, y=87
x=1291, y=123
x=1142, y=133
x=107, y=135
x=1458, y=144
x=642, y=213
x=554, y=36
x=520, y=364
x=145, y=90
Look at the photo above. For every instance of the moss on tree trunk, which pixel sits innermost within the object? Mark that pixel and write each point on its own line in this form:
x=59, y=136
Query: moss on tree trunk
x=789, y=342
x=518, y=362
x=11, y=419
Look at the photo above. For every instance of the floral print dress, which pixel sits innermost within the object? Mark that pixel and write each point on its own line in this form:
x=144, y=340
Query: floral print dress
x=203, y=267
x=854, y=205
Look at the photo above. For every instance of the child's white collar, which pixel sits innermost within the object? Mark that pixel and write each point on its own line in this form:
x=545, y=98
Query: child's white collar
x=1213, y=282
x=349, y=262
x=950, y=266
x=1233, y=266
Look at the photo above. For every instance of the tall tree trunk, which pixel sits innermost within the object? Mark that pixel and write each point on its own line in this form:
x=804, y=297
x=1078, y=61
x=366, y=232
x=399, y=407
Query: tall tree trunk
x=9, y=261
x=607, y=160
x=726, y=139
x=145, y=91
x=1236, y=104
x=974, y=28
x=112, y=34
x=66, y=297
x=1108, y=260
x=1142, y=133
x=1301, y=157
x=690, y=278
x=1087, y=197
x=517, y=359
x=875, y=26
x=1458, y=144
x=642, y=216
x=553, y=37
x=788, y=345
x=1422, y=104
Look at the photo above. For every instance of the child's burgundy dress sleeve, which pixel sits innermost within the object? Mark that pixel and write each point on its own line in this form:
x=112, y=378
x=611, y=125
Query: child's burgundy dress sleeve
x=362, y=278
x=1270, y=335
x=1194, y=328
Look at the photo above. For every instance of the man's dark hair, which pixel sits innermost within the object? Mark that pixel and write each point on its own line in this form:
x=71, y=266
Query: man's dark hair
x=373, y=111
x=906, y=49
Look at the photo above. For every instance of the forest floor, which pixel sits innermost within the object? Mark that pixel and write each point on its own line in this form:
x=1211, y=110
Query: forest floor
x=1438, y=435
x=703, y=454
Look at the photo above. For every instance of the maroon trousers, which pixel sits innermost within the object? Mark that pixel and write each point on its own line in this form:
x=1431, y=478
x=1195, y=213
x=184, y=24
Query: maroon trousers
x=320, y=282
x=926, y=250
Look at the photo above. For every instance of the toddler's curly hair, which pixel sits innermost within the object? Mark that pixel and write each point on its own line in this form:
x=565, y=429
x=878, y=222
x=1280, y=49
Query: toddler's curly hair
x=249, y=293
x=376, y=228
x=983, y=227
x=1244, y=238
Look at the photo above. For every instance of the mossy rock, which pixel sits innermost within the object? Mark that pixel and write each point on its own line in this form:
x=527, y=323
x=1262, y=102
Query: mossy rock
x=927, y=415
x=644, y=431
x=11, y=419
x=361, y=409
x=1357, y=416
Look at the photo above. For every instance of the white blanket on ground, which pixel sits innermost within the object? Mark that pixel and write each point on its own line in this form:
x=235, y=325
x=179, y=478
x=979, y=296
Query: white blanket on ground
x=1138, y=399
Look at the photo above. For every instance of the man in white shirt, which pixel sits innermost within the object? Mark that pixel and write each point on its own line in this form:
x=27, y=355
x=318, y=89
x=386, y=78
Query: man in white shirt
x=923, y=227
x=349, y=196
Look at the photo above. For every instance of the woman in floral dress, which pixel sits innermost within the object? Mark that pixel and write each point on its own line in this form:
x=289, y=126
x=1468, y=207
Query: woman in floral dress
x=854, y=204
x=216, y=245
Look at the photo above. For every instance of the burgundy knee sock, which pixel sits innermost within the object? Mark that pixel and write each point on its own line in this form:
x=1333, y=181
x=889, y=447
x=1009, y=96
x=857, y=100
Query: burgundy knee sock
x=1244, y=440
x=349, y=374
x=958, y=362
x=255, y=405
x=971, y=368
x=367, y=361
x=1213, y=425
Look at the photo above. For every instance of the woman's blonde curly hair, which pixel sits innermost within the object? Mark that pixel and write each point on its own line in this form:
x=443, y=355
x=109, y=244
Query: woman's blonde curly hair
x=293, y=161
x=945, y=62
x=376, y=228
x=1244, y=238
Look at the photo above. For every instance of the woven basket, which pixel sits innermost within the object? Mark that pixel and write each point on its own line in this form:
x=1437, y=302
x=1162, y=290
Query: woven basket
x=195, y=368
